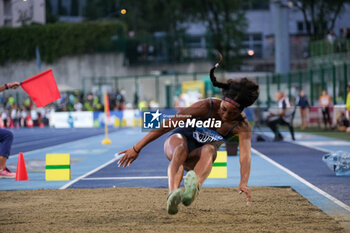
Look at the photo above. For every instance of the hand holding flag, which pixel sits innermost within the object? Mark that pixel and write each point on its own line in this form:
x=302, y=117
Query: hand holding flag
x=13, y=85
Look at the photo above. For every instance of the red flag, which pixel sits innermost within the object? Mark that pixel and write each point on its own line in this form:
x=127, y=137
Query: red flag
x=42, y=88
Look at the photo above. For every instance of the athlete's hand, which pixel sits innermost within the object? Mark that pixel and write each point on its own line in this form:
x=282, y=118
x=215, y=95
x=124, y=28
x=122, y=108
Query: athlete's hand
x=129, y=156
x=244, y=189
x=13, y=85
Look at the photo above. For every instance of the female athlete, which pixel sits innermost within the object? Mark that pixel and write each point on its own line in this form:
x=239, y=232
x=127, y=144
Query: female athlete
x=194, y=148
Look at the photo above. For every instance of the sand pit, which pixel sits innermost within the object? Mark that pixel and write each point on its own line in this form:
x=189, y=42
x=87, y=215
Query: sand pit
x=144, y=210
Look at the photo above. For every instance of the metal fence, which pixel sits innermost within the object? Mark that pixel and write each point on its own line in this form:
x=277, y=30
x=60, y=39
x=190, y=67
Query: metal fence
x=332, y=78
x=162, y=88
x=324, y=47
x=165, y=87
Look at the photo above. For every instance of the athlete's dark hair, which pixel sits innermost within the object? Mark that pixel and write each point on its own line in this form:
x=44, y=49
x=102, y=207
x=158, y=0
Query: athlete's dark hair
x=243, y=91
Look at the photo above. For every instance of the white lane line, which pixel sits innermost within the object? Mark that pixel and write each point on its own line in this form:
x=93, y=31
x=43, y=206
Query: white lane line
x=315, y=144
x=14, y=156
x=330, y=197
x=323, y=143
x=127, y=178
x=303, y=143
x=310, y=146
x=90, y=172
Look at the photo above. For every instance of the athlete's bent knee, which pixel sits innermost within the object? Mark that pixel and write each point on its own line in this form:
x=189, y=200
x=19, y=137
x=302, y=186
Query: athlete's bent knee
x=209, y=151
x=175, y=145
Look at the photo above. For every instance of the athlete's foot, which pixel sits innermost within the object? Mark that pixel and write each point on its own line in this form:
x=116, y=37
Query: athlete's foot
x=191, y=188
x=173, y=200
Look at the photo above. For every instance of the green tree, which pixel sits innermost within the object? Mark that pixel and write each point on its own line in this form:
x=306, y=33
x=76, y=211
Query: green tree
x=225, y=20
x=152, y=15
x=226, y=24
x=320, y=15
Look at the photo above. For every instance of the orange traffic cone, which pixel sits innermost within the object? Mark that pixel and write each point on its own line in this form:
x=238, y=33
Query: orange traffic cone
x=21, y=173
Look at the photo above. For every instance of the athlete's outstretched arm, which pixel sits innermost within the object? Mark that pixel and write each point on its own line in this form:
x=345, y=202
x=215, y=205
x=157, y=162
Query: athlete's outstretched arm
x=199, y=109
x=244, y=159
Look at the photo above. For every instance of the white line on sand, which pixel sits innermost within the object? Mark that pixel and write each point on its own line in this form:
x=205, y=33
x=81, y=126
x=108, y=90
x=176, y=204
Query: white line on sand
x=127, y=178
x=335, y=200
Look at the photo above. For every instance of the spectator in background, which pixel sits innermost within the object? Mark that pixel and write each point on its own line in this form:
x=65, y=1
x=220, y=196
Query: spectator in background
x=347, y=104
x=10, y=101
x=153, y=104
x=23, y=116
x=97, y=106
x=4, y=117
x=136, y=99
x=78, y=107
x=14, y=116
x=325, y=102
x=345, y=34
x=342, y=122
x=35, y=117
x=43, y=120
x=70, y=102
x=28, y=104
x=88, y=104
x=282, y=118
x=303, y=104
x=121, y=99
x=143, y=105
x=331, y=36
x=181, y=102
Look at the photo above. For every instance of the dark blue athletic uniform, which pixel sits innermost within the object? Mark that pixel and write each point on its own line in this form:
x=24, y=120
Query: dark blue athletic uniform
x=197, y=137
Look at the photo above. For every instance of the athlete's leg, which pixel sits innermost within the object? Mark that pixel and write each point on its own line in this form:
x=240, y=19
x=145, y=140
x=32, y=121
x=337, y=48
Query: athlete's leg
x=273, y=125
x=328, y=117
x=324, y=117
x=290, y=127
x=6, y=138
x=206, y=160
x=175, y=149
x=2, y=162
x=200, y=160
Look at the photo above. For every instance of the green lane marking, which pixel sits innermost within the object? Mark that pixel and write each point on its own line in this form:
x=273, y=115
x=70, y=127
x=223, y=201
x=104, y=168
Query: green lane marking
x=57, y=166
x=220, y=164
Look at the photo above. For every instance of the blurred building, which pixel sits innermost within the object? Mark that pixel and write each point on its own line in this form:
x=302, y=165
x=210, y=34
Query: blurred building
x=68, y=10
x=15, y=13
x=259, y=42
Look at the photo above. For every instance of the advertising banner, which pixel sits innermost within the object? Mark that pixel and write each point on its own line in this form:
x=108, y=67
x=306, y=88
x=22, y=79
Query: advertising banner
x=72, y=120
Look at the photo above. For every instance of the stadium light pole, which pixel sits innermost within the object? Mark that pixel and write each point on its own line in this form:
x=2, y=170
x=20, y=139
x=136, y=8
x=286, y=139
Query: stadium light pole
x=280, y=16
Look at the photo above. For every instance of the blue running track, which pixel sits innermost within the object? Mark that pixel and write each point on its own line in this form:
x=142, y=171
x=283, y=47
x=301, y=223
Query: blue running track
x=29, y=139
x=308, y=164
x=94, y=165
